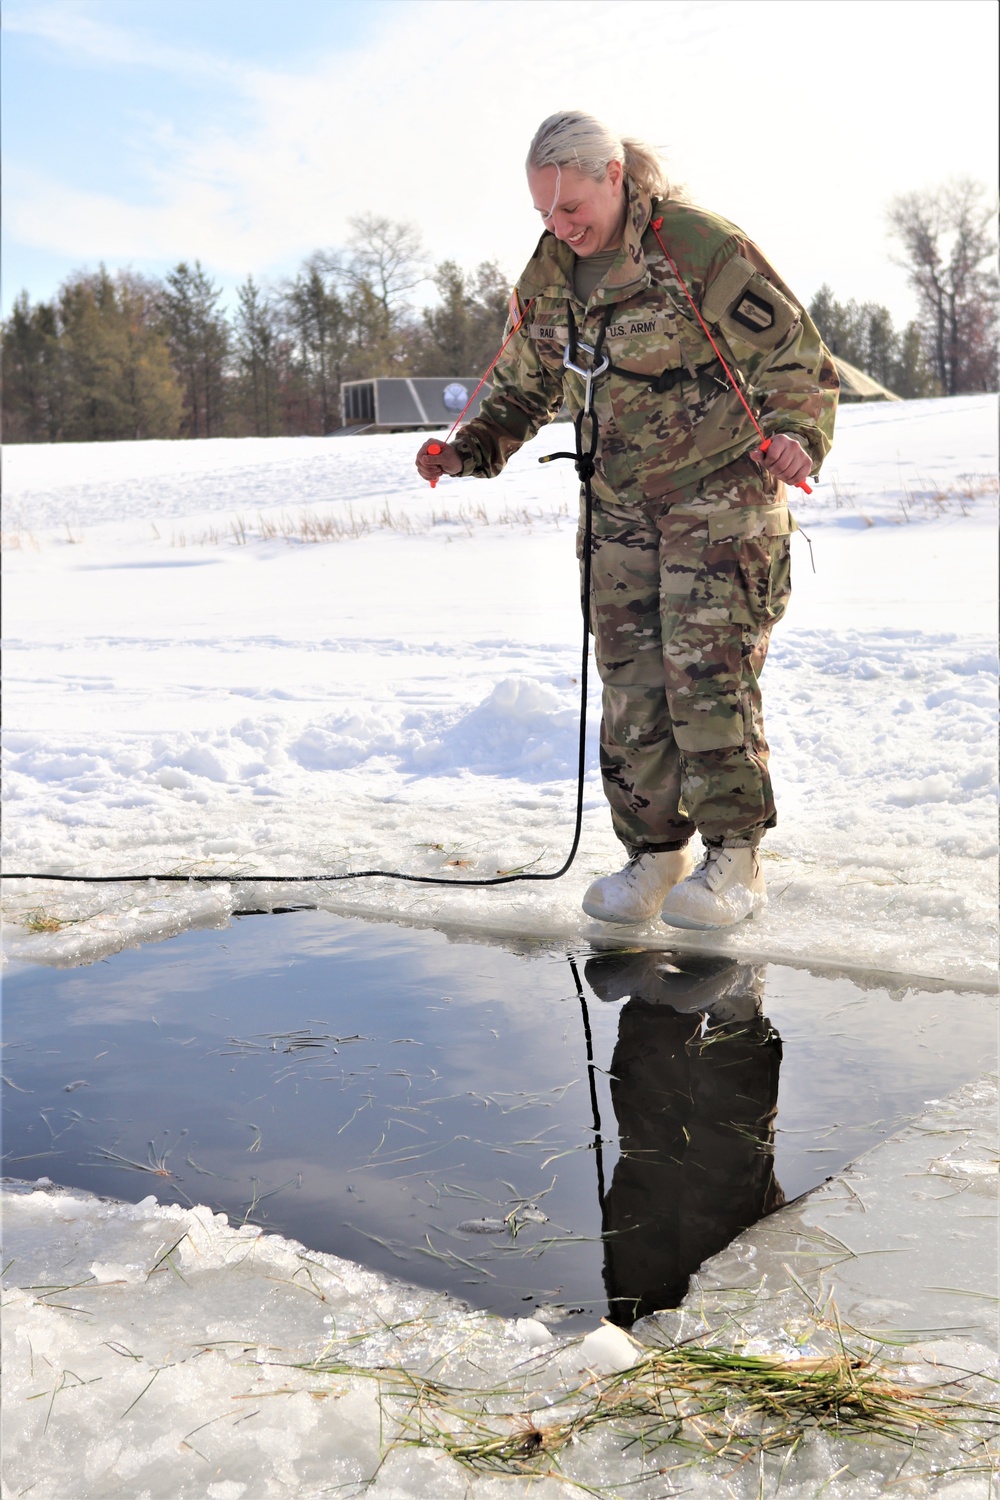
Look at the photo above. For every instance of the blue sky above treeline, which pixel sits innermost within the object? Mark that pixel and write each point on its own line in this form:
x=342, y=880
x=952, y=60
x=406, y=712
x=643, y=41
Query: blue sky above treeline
x=247, y=132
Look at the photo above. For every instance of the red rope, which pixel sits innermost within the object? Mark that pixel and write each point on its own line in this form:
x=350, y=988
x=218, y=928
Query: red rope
x=765, y=442
x=436, y=448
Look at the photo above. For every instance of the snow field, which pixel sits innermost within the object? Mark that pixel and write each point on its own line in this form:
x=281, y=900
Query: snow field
x=408, y=698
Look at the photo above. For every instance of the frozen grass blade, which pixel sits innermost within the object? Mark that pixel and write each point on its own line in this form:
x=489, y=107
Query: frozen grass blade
x=697, y=1400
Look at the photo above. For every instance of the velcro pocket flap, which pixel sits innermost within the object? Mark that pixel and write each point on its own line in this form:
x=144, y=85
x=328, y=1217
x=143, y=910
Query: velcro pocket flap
x=747, y=307
x=757, y=520
x=726, y=287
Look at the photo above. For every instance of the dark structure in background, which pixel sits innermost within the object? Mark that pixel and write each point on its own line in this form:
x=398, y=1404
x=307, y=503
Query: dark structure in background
x=392, y=404
x=694, y=1083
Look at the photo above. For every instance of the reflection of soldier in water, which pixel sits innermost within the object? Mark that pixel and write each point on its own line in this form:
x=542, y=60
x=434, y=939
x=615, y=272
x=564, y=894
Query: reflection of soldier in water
x=694, y=1082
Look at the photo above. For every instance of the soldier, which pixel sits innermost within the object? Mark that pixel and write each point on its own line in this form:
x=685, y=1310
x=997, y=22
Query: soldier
x=690, y=536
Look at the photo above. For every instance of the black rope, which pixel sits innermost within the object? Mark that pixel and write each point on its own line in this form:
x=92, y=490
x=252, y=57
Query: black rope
x=594, y=1106
x=585, y=466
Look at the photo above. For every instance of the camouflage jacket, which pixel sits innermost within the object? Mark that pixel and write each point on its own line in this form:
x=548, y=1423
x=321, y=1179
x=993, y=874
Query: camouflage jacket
x=657, y=440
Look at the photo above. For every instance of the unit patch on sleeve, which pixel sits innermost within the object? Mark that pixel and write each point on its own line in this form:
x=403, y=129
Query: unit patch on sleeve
x=753, y=312
x=747, y=307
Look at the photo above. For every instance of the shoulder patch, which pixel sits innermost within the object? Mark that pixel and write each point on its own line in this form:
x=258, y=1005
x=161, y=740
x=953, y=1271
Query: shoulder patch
x=745, y=305
x=518, y=310
x=754, y=312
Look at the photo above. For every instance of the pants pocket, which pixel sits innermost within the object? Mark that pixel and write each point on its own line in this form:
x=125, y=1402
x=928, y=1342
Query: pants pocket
x=760, y=538
x=765, y=569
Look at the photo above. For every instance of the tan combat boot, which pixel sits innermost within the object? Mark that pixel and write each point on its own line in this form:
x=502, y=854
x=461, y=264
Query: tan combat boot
x=636, y=893
x=727, y=886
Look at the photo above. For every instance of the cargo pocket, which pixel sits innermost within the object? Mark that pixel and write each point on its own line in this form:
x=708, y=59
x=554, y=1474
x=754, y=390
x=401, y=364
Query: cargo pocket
x=760, y=537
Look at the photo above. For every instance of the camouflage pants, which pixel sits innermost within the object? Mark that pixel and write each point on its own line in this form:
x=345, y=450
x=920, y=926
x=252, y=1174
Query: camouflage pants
x=684, y=592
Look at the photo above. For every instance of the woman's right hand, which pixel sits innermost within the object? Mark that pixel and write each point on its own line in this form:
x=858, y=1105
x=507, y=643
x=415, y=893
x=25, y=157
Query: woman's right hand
x=431, y=466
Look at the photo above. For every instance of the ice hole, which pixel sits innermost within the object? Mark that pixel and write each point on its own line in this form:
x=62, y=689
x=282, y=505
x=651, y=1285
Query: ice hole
x=556, y=1134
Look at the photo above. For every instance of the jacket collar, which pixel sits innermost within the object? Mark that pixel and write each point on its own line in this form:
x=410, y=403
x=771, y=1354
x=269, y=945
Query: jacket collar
x=549, y=272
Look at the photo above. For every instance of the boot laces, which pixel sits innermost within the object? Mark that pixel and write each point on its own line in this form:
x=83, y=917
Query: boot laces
x=712, y=870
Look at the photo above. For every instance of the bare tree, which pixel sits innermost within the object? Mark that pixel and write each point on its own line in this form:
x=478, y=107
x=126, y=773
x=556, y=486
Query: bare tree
x=947, y=235
x=382, y=264
x=388, y=258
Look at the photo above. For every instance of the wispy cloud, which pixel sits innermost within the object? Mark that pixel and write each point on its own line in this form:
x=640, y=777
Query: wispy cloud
x=69, y=29
x=429, y=119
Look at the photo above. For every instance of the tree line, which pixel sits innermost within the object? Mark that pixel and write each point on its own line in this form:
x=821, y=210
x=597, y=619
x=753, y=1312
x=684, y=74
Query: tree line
x=129, y=356
x=946, y=243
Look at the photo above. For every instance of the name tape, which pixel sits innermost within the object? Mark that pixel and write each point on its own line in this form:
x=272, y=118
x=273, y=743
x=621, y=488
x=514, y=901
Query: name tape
x=626, y=329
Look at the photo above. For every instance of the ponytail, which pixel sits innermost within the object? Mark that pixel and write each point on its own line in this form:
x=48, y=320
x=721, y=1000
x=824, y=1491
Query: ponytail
x=646, y=168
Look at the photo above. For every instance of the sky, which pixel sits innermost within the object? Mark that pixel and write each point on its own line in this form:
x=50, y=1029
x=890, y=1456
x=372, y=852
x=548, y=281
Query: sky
x=246, y=133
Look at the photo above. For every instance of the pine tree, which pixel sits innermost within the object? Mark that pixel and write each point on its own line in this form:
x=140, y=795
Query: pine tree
x=91, y=367
x=912, y=377
x=317, y=319
x=117, y=378
x=862, y=334
x=153, y=393
x=257, y=354
x=490, y=309
x=448, y=328
x=199, y=339
x=31, y=372
x=462, y=334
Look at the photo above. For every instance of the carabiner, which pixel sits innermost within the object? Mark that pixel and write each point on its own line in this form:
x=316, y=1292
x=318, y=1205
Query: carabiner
x=588, y=376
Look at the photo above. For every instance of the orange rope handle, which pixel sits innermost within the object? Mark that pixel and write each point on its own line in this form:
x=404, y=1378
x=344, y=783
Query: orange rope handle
x=765, y=442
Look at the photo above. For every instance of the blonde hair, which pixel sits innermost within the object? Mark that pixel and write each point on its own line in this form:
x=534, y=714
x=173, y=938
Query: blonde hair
x=573, y=139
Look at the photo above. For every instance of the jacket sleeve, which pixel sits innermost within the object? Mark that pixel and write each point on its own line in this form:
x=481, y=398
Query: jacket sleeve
x=790, y=378
x=525, y=395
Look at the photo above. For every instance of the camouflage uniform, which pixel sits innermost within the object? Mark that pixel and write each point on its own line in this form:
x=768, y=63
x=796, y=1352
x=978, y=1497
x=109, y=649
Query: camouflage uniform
x=690, y=548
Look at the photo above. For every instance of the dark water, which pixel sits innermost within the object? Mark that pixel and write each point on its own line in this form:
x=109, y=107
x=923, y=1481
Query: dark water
x=574, y=1132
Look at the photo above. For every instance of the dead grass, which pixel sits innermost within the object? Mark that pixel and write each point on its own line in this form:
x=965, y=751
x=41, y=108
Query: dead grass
x=675, y=1407
x=917, y=500
x=347, y=524
x=930, y=499
x=43, y=921
x=18, y=541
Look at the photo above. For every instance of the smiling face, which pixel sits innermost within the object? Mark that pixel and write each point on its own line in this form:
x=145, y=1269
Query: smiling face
x=588, y=215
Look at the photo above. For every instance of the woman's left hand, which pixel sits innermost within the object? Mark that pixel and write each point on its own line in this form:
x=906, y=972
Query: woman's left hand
x=785, y=458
